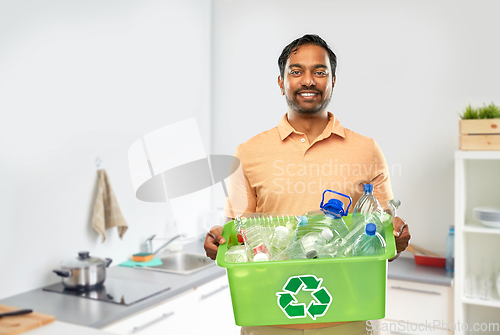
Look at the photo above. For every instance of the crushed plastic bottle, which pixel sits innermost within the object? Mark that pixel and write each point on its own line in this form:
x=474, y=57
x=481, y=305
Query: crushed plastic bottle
x=255, y=240
x=370, y=243
x=279, y=241
x=309, y=246
x=236, y=254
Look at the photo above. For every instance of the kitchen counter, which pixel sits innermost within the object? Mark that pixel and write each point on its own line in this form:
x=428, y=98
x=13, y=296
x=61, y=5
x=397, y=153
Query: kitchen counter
x=58, y=327
x=98, y=314
x=405, y=268
x=73, y=311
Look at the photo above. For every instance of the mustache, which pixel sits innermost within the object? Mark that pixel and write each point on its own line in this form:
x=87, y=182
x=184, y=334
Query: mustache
x=308, y=88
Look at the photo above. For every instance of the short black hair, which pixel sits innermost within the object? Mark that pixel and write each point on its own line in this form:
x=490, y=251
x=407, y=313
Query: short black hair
x=304, y=40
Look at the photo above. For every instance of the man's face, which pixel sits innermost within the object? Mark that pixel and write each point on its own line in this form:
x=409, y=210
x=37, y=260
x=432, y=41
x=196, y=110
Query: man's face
x=308, y=83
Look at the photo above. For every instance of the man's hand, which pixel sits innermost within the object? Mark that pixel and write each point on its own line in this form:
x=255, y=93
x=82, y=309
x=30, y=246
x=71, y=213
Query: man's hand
x=401, y=233
x=213, y=240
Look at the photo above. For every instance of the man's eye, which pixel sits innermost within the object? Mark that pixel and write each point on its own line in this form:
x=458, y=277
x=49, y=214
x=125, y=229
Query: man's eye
x=321, y=73
x=294, y=72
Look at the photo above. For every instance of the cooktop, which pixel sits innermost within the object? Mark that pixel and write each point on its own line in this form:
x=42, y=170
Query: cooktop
x=115, y=290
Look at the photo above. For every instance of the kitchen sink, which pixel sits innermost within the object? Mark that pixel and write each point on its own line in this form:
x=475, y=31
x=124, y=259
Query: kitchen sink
x=183, y=263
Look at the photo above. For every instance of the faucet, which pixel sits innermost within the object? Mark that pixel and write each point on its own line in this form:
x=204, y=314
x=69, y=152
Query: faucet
x=168, y=242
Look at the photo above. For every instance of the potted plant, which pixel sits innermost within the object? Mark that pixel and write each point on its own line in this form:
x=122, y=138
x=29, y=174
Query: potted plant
x=480, y=128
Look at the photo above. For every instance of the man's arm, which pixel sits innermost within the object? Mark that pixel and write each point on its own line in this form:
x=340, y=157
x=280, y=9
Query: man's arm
x=383, y=192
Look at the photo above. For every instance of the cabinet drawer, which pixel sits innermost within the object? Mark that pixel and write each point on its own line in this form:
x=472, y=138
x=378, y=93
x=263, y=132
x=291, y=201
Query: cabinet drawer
x=419, y=303
x=214, y=288
x=155, y=320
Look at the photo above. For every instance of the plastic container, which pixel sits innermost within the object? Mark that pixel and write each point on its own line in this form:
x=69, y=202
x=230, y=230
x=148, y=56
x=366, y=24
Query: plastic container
x=438, y=262
x=324, y=289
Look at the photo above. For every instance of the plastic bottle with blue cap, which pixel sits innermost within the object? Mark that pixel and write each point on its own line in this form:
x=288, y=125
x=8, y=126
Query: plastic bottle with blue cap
x=369, y=207
x=328, y=216
x=370, y=243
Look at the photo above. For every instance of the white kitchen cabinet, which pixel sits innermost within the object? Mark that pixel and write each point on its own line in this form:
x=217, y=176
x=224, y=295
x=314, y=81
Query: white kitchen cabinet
x=160, y=319
x=416, y=308
x=205, y=309
x=477, y=183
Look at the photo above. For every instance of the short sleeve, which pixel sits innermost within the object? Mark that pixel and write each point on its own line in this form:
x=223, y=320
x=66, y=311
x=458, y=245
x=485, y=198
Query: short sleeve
x=380, y=179
x=240, y=197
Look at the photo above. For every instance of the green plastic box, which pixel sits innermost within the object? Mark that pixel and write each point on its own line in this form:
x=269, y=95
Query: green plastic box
x=307, y=291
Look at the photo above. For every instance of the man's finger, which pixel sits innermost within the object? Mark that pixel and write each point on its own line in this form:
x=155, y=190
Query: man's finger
x=399, y=225
x=216, y=233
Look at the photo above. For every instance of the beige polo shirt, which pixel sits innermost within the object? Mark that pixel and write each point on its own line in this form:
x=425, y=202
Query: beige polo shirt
x=282, y=172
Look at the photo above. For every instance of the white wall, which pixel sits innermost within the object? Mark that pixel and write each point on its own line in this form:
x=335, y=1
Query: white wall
x=405, y=69
x=80, y=80
x=84, y=79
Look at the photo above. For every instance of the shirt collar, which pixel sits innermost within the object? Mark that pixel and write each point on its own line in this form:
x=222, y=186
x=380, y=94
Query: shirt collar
x=333, y=127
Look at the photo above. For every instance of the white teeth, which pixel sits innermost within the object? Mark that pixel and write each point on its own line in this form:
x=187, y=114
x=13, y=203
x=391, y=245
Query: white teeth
x=308, y=94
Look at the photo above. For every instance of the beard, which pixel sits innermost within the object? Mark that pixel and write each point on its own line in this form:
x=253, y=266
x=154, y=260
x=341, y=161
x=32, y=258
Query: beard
x=313, y=109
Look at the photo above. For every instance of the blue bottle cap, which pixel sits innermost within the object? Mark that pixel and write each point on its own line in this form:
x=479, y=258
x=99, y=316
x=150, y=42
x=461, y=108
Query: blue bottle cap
x=303, y=221
x=367, y=187
x=370, y=229
x=334, y=207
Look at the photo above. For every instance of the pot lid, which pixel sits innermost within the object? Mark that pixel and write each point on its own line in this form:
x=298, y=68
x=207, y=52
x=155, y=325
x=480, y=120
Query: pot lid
x=82, y=261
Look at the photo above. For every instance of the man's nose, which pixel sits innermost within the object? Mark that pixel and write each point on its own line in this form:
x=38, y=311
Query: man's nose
x=308, y=79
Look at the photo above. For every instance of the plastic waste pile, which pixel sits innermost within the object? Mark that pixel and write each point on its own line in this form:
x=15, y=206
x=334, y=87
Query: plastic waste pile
x=317, y=234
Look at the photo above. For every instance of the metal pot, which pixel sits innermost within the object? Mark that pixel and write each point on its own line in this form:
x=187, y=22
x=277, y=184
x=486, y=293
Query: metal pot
x=83, y=272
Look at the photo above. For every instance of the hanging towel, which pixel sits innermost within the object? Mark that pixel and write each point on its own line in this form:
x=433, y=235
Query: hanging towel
x=107, y=213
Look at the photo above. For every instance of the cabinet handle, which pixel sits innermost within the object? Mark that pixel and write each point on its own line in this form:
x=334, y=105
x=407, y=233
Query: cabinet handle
x=414, y=290
x=204, y=296
x=152, y=322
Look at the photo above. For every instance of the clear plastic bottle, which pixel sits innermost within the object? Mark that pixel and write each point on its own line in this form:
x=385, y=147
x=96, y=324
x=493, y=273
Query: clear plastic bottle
x=236, y=254
x=370, y=243
x=369, y=207
x=309, y=246
x=255, y=241
x=450, y=250
x=279, y=241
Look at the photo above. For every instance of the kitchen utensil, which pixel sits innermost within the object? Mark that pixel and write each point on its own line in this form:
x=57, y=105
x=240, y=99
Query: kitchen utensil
x=83, y=272
x=11, y=325
x=489, y=216
x=471, y=286
x=418, y=250
x=485, y=287
x=19, y=312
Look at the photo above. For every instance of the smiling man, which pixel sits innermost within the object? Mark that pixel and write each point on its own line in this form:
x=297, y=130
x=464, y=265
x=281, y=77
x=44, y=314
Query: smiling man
x=287, y=168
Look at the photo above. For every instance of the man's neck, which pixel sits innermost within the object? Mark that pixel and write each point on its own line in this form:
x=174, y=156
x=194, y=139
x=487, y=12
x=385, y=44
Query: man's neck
x=312, y=125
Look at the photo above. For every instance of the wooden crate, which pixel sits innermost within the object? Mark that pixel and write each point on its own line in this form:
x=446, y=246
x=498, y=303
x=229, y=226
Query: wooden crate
x=480, y=134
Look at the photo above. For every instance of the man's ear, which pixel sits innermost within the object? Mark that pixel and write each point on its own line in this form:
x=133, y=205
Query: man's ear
x=280, y=84
x=333, y=82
